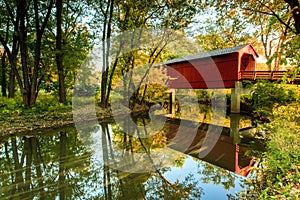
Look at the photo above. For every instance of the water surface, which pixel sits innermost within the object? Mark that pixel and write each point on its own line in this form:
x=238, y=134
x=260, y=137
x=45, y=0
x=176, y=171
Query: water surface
x=105, y=162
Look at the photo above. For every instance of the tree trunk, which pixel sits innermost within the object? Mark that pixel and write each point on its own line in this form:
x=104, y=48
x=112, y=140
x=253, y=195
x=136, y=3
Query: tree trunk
x=59, y=57
x=106, y=51
x=28, y=78
x=24, y=53
x=12, y=83
x=111, y=76
x=3, y=75
x=295, y=7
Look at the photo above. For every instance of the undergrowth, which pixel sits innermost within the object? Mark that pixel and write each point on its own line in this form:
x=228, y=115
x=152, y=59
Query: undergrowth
x=278, y=176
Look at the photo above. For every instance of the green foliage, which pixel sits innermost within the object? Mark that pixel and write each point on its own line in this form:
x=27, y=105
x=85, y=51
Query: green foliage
x=265, y=95
x=203, y=95
x=291, y=52
x=267, y=25
x=280, y=174
x=10, y=106
x=47, y=103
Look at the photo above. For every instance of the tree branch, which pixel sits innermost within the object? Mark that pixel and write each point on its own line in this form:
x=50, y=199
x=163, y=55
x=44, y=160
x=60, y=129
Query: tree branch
x=10, y=12
x=271, y=13
x=47, y=16
x=278, y=17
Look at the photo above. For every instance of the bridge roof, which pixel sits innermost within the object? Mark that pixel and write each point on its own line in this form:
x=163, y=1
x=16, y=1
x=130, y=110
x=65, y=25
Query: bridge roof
x=210, y=54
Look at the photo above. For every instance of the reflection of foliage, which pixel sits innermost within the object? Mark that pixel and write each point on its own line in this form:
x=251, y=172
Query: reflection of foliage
x=62, y=167
x=143, y=142
x=160, y=188
x=125, y=186
x=216, y=175
x=152, y=142
x=146, y=185
x=45, y=167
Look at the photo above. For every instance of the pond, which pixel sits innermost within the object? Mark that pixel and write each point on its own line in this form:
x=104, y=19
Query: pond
x=112, y=160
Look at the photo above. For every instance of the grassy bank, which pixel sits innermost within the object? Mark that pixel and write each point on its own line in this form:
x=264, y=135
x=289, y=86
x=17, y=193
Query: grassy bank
x=278, y=176
x=278, y=111
x=46, y=113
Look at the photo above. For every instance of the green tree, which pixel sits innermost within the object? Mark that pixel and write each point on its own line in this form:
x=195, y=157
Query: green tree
x=28, y=33
x=74, y=47
x=69, y=16
x=218, y=34
x=10, y=36
x=116, y=17
x=59, y=58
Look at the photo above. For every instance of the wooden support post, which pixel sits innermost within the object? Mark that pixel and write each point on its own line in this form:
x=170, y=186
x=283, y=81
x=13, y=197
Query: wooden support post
x=236, y=97
x=172, y=102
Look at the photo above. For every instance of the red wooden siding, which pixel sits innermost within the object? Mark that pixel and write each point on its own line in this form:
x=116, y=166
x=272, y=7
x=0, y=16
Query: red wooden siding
x=217, y=71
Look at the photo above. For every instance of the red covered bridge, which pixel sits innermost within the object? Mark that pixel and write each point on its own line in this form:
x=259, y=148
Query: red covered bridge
x=218, y=69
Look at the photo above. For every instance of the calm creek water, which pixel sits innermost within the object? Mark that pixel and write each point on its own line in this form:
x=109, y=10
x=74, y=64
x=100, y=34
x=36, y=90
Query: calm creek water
x=105, y=162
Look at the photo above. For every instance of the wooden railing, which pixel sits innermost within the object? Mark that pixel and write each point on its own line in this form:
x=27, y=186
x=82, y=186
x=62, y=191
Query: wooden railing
x=266, y=75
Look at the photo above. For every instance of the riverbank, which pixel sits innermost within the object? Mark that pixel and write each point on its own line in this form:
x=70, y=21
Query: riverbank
x=44, y=115
x=279, y=176
x=10, y=125
x=19, y=124
x=47, y=113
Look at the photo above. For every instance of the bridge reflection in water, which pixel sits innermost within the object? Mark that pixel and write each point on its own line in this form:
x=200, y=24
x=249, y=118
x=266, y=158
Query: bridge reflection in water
x=229, y=152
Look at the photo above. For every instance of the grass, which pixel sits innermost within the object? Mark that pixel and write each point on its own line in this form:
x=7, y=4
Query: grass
x=47, y=112
x=282, y=159
x=278, y=176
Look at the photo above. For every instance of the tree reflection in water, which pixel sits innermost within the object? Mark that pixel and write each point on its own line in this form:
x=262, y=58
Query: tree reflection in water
x=67, y=165
x=217, y=176
x=58, y=165
x=140, y=185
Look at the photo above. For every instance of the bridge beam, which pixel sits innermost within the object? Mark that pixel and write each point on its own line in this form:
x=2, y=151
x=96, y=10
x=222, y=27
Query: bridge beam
x=236, y=97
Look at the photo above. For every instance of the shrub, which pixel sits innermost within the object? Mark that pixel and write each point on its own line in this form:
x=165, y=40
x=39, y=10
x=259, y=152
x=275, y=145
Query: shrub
x=10, y=106
x=44, y=103
x=279, y=174
x=283, y=158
